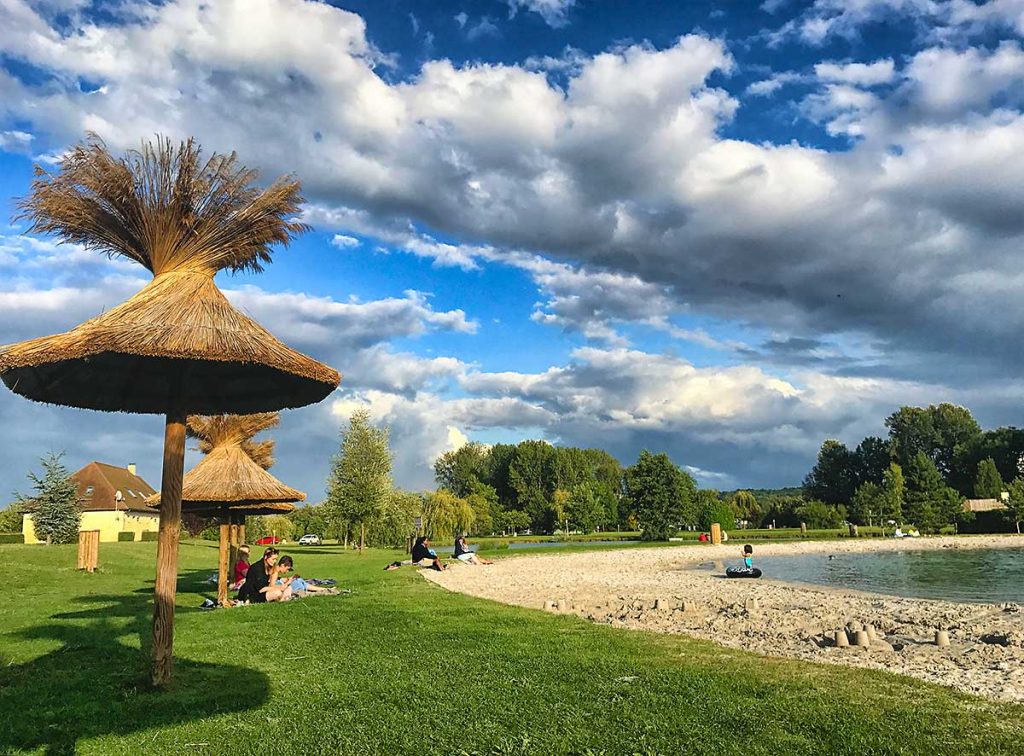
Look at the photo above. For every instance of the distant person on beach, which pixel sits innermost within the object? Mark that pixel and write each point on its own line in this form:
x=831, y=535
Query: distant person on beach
x=241, y=567
x=748, y=557
x=424, y=556
x=463, y=554
x=258, y=577
x=703, y=538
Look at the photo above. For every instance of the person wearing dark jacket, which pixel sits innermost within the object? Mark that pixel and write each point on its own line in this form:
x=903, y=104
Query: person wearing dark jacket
x=257, y=578
x=425, y=556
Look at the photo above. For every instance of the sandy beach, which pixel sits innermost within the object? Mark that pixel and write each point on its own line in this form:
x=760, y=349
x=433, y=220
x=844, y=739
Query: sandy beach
x=659, y=589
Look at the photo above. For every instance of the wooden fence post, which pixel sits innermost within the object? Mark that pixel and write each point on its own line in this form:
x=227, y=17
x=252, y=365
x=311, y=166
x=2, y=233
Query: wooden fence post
x=88, y=550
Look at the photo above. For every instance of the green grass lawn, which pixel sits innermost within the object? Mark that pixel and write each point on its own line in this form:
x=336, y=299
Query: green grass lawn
x=402, y=667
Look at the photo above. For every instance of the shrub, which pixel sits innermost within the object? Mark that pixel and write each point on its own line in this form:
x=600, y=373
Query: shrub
x=150, y=535
x=716, y=510
x=126, y=535
x=12, y=538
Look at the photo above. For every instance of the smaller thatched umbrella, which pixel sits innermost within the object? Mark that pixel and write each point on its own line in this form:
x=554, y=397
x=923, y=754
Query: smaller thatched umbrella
x=231, y=481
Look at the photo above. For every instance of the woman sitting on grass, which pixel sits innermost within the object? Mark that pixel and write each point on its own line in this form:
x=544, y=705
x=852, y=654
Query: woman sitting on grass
x=257, y=578
x=424, y=556
x=301, y=587
x=463, y=554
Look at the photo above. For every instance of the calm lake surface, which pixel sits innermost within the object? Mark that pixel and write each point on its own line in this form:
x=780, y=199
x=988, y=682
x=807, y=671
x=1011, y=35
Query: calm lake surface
x=971, y=575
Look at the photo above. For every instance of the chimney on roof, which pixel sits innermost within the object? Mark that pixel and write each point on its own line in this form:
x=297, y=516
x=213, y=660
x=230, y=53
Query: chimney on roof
x=131, y=467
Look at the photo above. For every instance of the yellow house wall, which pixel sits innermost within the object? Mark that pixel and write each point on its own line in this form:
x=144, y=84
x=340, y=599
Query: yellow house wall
x=108, y=523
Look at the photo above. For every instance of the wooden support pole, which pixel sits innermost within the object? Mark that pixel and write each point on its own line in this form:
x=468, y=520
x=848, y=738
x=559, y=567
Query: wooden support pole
x=716, y=533
x=222, y=562
x=167, y=549
x=233, y=544
x=241, y=530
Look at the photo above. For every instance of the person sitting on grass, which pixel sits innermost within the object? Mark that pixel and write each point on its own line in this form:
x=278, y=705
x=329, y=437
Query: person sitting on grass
x=280, y=587
x=301, y=587
x=463, y=554
x=258, y=577
x=424, y=556
x=241, y=567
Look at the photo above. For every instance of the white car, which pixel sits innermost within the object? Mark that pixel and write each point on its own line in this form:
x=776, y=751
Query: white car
x=309, y=540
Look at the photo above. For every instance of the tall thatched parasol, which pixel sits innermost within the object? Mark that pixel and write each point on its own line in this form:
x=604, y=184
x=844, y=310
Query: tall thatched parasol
x=232, y=481
x=176, y=347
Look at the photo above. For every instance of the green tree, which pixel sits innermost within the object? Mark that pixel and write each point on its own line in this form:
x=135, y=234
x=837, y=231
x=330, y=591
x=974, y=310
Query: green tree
x=659, y=493
x=780, y=510
x=930, y=503
x=511, y=521
x=1015, y=505
x=871, y=459
x=746, y=507
x=445, y=515
x=496, y=474
x=832, y=478
x=530, y=474
x=54, y=506
x=713, y=509
x=10, y=519
x=280, y=526
x=818, y=514
x=1004, y=445
x=894, y=495
x=360, y=480
x=584, y=507
x=393, y=523
x=458, y=470
x=937, y=431
x=310, y=519
x=867, y=503
x=483, y=500
x=988, y=484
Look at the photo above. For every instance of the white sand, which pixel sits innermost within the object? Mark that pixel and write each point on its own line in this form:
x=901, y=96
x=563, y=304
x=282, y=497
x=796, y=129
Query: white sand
x=620, y=587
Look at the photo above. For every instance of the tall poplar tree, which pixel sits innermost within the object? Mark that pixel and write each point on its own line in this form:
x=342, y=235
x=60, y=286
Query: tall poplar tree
x=360, y=480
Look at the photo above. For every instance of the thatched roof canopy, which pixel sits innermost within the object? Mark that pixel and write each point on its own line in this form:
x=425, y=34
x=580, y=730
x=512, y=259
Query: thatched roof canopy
x=229, y=476
x=178, y=343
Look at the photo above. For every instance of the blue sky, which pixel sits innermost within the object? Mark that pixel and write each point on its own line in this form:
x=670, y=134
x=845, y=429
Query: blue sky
x=722, y=230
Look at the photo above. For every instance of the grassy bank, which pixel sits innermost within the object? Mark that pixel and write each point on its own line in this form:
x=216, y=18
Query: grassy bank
x=400, y=666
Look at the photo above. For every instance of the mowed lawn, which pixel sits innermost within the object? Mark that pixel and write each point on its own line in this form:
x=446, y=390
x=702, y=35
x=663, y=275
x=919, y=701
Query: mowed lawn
x=403, y=667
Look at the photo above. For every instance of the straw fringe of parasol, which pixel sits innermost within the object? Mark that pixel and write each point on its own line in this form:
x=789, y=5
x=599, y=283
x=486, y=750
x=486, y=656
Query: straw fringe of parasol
x=177, y=340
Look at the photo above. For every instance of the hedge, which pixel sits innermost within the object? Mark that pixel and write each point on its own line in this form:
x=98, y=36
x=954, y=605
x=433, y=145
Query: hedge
x=150, y=535
x=126, y=535
x=12, y=538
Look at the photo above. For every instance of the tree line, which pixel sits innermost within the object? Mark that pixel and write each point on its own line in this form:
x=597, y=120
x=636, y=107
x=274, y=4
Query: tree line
x=933, y=458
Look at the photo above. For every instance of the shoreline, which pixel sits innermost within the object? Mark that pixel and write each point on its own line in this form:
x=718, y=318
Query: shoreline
x=659, y=590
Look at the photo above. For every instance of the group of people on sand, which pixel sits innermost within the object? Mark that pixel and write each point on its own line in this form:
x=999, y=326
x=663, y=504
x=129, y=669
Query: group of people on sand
x=423, y=555
x=268, y=580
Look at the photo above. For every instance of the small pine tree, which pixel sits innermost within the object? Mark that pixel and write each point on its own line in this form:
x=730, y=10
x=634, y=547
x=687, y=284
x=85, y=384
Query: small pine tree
x=988, y=484
x=54, y=507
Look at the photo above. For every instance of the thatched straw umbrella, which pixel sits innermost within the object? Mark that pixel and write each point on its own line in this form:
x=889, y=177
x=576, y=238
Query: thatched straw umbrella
x=232, y=481
x=176, y=347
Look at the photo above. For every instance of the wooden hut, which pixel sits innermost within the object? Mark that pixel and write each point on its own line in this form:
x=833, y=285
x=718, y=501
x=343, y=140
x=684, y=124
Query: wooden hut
x=177, y=347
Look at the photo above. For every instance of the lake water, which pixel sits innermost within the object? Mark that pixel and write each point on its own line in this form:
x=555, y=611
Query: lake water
x=971, y=575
